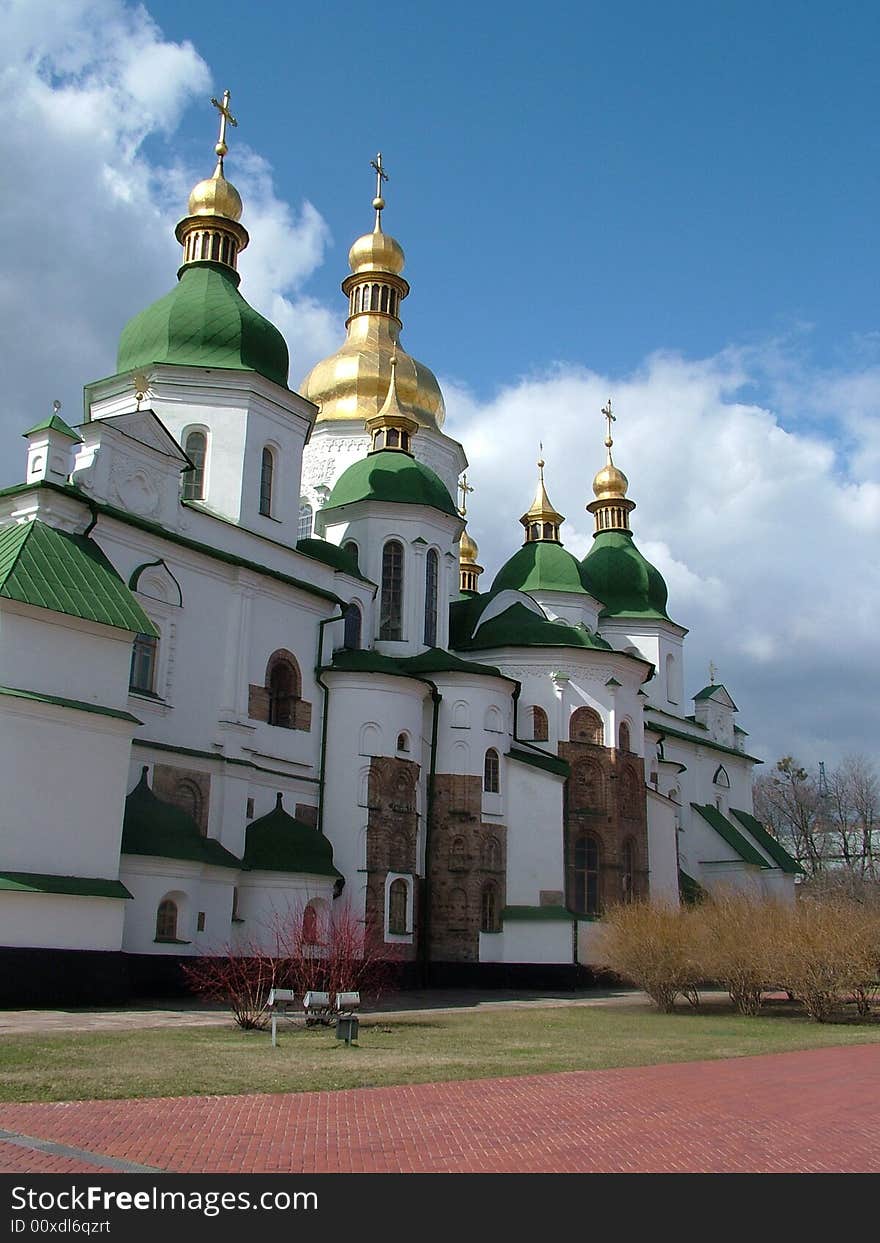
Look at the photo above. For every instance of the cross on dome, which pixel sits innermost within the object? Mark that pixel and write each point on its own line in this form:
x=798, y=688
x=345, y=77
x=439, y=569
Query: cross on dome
x=226, y=117
x=379, y=201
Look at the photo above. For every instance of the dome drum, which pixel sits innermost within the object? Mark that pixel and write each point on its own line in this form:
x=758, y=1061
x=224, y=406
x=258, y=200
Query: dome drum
x=378, y=293
x=211, y=238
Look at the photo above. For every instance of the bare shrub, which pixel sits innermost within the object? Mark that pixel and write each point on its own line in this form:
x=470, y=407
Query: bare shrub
x=827, y=951
x=652, y=945
x=735, y=936
x=242, y=977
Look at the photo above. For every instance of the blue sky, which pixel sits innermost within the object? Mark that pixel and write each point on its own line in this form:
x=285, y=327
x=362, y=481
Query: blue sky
x=576, y=182
x=674, y=204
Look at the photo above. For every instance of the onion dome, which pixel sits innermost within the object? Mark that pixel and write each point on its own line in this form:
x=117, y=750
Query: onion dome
x=540, y=566
x=351, y=385
x=280, y=843
x=153, y=827
x=204, y=321
x=541, y=520
x=468, y=569
x=390, y=476
x=614, y=571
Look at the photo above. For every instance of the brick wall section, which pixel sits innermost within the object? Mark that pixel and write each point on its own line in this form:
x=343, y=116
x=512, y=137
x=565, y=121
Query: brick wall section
x=258, y=709
x=392, y=834
x=307, y=814
x=185, y=788
x=605, y=796
x=465, y=854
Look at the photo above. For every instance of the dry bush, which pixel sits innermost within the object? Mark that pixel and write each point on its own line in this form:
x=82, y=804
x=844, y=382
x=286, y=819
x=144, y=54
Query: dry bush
x=827, y=951
x=735, y=936
x=241, y=976
x=653, y=945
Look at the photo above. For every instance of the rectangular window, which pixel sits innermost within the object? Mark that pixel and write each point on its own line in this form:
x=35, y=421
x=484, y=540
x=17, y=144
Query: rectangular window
x=391, y=609
x=143, y=664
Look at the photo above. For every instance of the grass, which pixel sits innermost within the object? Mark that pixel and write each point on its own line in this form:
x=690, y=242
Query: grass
x=396, y=1049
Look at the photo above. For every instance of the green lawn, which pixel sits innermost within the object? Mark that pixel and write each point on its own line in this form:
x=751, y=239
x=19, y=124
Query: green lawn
x=395, y=1049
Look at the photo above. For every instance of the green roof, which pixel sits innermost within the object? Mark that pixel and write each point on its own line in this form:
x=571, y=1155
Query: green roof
x=708, y=691
x=66, y=573
x=152, y=827
x=540, y=565
x=74, y=886
x=518, y=626
x=690, y=891
x=615, y=572
x=330, y=554
x=659, y=728
x=731, y=834
x=390, y=475
x=540, y=759
x=79, y=704
x=54, y=423
x=537, y=913
x=279, y=843
x=432, y=660
x=773, y=847
x=464, y=613
x=204, y=322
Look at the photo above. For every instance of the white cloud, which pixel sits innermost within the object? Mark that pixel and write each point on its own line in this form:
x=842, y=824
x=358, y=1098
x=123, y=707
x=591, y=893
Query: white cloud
x=765, y=531
x=87, y=219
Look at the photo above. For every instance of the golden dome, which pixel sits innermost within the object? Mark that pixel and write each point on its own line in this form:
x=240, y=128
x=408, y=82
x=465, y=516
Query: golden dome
x=610, y=483
x=376, y=252
x=215, y=196
x=467, y=549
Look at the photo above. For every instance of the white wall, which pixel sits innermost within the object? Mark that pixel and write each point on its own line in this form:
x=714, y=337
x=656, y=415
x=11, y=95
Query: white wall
x=61, y=921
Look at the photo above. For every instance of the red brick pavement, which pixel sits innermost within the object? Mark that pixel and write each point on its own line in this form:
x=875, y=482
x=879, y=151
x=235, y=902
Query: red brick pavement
x=811, y=1111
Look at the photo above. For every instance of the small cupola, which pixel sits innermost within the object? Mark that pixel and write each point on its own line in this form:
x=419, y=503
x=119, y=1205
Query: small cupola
x=611, y=508
x=392, y=427
x=50, y=443
x=541, y=520
x=211, y=231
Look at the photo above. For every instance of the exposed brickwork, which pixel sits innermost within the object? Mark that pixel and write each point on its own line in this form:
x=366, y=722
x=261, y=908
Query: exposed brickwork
x=605, y=796
x=258, y=703
x=465, y=855
x=307, y=814
x=392, y=835
x=185, y=788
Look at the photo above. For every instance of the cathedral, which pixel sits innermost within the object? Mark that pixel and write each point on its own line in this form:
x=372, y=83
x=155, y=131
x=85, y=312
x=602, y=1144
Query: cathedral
x=250, y=670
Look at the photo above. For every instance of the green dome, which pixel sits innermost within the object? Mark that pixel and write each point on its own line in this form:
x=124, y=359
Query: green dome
x=615, y=572
x=518, y=626
x=540, y=566
x=279, y=843
x=152, y=827
x=204, y=322
x=391, y=475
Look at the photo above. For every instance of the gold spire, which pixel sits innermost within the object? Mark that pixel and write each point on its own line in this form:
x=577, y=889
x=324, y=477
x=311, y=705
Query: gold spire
x=211, y=231
x=351, y=385
x=611, y=506
x=541, y=520
x=468, y=551
x=392, y=427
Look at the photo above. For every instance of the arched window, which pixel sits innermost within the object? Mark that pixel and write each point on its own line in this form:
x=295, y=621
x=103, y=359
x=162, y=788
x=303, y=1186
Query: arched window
x=489, y=908
x=166, y=920
x=458, y=909
x=267, y=471
x=539, y=725
x=585, y=887
x=304, y=527
x=352, y=634
x=391, y=605
x=310, y=926
x=458, y=855
x=144, y=658
x=283, y=686
x=586, y=726
x=432, y=575
x=492, y=772
x=587, y=791
x=403, y=742
x=671, y=679
x=352, y=549
x=630, y=794
x=628, y=875
x=188, y=797
x=623, y=737
x=490, y=855
x=721, y=778
x=196, y=449
x=397, y=903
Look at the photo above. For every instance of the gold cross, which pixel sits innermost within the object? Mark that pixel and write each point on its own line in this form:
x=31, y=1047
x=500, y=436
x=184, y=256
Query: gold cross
x=378, y=201
x=713, y=669
x=225, y=116
x=463, y=487
x=610, y=418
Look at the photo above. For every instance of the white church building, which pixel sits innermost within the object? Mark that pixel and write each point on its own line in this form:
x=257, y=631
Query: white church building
x=248, y=671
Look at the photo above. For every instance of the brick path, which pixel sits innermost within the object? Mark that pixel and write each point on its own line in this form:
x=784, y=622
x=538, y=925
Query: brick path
x=809, y=1111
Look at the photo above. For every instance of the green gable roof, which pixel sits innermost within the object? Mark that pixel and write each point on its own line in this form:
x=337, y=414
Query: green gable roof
x=731, y=834
x=279, y=843
x=615, y=572
x=394, y=476
x=152, y=827
x=773, y=847
x=540, y=566
x=72, y=886
x=518, y=626
x=690, y=891
x=51, y=569
x=540, y=759
x=54, y=423
x=204, y=322
x=432, y=660
x=538, y=913
x=59, y=701
x=330, y=554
